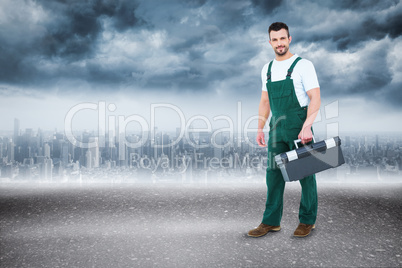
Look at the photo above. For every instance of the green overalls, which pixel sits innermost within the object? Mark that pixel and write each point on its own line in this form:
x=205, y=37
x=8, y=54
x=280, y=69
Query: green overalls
x=285, y=125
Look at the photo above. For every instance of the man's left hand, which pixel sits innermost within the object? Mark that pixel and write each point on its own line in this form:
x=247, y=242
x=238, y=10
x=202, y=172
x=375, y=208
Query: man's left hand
x=305, y=135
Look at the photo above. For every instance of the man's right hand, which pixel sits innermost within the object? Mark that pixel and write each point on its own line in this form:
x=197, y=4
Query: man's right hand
x=261, y=139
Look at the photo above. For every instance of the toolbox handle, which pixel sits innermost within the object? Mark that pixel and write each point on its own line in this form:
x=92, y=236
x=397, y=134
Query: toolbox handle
x=299, y=140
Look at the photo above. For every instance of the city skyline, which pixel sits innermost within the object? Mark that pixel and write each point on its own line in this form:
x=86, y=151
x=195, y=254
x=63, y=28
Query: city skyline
x=199, y=156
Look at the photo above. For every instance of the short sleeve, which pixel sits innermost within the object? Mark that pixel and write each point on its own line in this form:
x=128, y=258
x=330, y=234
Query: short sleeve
x=264, y=77
x=309, y=76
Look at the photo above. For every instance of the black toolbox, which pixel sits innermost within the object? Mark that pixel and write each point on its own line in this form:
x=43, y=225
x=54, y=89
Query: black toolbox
x=310, y=159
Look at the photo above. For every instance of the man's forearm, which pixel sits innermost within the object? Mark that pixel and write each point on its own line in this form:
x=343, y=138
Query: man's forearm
x=263, y=114
x=312, y=112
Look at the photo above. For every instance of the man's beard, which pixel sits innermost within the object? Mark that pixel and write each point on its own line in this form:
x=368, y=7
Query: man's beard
x=285, y=49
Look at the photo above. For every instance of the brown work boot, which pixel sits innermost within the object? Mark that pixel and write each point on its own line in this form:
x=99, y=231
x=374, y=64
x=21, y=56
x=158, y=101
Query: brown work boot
x=303, y=229
x=263, y=229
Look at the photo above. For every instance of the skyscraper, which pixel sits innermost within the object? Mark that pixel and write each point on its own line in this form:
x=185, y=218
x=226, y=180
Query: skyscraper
x=88, y=159
x=46, y=169
x=46, y=149
x=64, y=157
x=95, y=152
x=16, y=129
x=10, y=151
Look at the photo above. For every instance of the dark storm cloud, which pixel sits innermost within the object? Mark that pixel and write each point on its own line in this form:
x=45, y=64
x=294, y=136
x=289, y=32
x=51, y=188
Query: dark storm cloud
x=360, y=5
x=75, y=33
x=11, y=64
x=267, y=7
x=195, y=45
x=391, y=95
x=367, y=76
x=70, y=36
x=362, y=21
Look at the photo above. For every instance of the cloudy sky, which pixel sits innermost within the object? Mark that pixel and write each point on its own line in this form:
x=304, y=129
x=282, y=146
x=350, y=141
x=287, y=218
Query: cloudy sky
x=202, y=57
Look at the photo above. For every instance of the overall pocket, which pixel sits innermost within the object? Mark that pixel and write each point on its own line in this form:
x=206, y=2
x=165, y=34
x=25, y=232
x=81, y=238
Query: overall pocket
x=281, y=93
x=279, y=89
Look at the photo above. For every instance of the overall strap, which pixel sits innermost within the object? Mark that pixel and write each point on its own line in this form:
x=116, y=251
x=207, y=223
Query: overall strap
x=269, y=71
x=290, y=71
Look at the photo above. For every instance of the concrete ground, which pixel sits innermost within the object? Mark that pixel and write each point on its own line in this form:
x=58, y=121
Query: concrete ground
x=176, y=225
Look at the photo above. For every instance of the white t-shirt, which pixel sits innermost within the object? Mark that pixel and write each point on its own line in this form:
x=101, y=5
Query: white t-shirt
x=304, y=76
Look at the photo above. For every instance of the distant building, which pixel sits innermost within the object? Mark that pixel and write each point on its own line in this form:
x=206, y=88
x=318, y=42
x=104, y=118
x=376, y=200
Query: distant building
x=88, y=159
x=7, y=171
x=46, y=150
x=10, y=151
x=16, y=129
x=46, y=169
x=93, y=157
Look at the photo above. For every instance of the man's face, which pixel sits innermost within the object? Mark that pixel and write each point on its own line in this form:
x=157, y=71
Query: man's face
x=280, y=41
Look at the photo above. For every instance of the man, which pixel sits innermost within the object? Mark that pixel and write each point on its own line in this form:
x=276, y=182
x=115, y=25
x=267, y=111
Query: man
x=289, y=84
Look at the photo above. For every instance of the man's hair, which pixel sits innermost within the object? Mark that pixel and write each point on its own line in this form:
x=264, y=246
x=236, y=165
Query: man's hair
x=276, y=26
